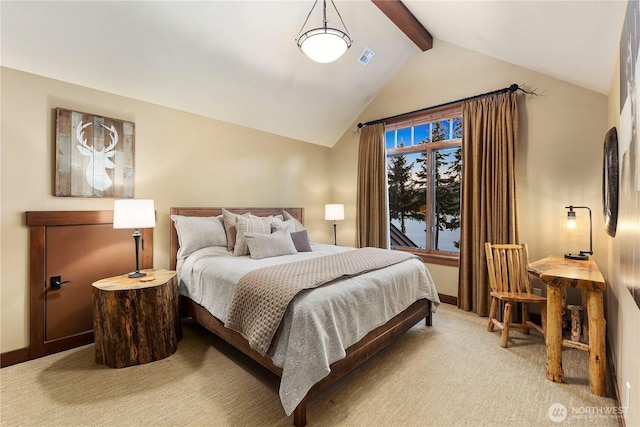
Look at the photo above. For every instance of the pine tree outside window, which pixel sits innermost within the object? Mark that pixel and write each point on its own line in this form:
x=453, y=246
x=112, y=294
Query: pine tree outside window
x=424, y=171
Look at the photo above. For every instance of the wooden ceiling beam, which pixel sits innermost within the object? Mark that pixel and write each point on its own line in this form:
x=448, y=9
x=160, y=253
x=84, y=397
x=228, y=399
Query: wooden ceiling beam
x=398, y=13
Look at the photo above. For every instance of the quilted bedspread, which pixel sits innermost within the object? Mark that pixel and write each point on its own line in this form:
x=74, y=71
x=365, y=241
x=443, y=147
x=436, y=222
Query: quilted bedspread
x=263, y=295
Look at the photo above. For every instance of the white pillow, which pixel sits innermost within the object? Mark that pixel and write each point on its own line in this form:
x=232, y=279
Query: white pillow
x=230, y=220
x=281, y=224
x=270, y=245
x=196, y=232
x=254, y=224
x=298, y=225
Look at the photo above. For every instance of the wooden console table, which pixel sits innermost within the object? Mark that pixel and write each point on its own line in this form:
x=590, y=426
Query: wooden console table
x=558, y=272
x=137, y=320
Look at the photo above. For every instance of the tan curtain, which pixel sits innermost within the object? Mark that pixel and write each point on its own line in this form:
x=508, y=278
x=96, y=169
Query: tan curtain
x=371, y=206
x=488, y=201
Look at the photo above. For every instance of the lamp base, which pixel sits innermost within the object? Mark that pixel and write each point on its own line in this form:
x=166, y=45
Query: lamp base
x=136, y=274
x=582, y=257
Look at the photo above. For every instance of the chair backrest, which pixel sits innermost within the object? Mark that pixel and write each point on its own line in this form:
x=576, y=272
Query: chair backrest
x=507, y=266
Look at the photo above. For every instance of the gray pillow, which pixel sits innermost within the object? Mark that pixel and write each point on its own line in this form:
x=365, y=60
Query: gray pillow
x=270, y=245
x=196, y=232
x=301, y=241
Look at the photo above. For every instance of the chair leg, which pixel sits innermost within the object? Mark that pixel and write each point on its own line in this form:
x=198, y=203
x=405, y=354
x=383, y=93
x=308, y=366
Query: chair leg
x=525, y=317
x=543, y=314
x=492, y=313
x=506, y=323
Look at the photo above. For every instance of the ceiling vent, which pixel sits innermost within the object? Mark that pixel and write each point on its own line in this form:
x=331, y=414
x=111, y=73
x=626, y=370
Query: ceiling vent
x=366, y=56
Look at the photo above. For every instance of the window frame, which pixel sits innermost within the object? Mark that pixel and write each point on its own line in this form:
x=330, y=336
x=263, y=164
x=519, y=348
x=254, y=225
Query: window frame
x=448, y=112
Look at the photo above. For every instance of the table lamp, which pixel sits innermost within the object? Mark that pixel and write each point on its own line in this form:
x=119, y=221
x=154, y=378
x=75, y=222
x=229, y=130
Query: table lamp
x=136, y=214
x=571, y=223
x=334, y=212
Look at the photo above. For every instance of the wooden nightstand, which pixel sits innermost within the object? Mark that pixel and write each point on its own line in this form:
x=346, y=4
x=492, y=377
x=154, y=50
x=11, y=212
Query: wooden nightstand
x=136, y=321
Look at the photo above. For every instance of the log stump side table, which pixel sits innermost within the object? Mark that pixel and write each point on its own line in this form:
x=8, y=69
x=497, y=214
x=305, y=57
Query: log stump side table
x=136, y=321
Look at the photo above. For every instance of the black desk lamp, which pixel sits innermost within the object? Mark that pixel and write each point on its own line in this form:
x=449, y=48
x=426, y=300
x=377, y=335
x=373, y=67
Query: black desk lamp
x=571, y=223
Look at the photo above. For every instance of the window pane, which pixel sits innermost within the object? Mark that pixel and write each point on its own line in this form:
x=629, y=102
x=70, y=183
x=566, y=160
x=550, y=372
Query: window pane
x=457, y=127
x=446, y=192
x=407, y=200
x=390, y=139
x=422, y=134
x=404, y=137
x=440, y=131
x=424, y=184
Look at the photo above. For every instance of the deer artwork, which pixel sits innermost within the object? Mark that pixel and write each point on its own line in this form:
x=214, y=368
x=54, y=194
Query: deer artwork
x=99, y=161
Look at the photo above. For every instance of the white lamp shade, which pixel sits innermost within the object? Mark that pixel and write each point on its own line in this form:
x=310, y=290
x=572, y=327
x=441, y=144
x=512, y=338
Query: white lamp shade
x=324, y=45
x=334, y=212
x=134, y=213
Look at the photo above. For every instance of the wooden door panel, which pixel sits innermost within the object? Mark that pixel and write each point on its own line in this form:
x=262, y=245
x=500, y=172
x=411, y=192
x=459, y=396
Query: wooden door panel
x=82, y=247
x=81, y=255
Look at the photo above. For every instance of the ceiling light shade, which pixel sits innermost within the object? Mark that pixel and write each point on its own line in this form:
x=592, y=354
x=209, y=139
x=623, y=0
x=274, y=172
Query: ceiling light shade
x=324, y=44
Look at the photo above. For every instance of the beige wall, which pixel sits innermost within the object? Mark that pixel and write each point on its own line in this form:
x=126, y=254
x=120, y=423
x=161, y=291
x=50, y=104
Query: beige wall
x=181, y=160
x=559, y=157
x=623, y=315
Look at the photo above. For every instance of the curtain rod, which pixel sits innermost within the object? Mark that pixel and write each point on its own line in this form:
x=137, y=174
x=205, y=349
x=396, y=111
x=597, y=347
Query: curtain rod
x=514, y=87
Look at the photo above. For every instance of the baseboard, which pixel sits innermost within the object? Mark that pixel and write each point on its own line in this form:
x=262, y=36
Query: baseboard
x=614, y=383
x=13, y=357
x=448, y=299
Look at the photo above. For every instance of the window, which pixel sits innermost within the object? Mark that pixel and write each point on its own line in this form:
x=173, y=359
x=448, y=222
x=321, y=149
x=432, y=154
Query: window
x=424, y=171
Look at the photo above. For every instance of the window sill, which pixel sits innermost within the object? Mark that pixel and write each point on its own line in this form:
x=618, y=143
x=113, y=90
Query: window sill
x=451, y=260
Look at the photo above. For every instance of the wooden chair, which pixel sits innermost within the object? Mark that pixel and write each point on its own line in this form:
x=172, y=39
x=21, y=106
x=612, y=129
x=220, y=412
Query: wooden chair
x=509, y=279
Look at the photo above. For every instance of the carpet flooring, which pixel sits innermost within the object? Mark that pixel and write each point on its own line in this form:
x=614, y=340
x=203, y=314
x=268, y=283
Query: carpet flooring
x=451, y=374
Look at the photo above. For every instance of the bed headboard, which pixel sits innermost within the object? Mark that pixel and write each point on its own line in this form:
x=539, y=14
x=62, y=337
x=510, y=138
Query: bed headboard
x=297, y=213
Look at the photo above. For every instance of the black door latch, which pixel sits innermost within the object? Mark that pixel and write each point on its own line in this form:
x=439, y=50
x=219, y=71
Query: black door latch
x=56, y=281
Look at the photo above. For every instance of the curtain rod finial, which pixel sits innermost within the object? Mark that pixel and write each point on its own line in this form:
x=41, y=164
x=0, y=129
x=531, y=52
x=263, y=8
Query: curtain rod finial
x=514, y=87
x=360, y=125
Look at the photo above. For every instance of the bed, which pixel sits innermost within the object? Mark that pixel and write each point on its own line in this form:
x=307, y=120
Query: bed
x=326, y=332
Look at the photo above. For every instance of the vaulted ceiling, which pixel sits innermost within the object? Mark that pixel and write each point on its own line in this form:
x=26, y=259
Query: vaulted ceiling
x=237, y=61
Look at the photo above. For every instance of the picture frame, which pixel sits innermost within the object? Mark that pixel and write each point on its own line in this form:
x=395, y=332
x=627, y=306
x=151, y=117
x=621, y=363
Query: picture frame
x=94, y=155
x=610, y=182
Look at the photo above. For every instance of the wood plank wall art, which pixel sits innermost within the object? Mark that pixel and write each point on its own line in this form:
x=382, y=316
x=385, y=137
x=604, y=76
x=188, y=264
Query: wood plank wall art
x=94, y=155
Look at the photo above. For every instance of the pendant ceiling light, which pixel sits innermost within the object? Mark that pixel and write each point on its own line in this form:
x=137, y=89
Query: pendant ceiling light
x=324, y=44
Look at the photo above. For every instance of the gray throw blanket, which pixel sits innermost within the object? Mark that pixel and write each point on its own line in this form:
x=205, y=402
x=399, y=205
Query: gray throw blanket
x=262, y=296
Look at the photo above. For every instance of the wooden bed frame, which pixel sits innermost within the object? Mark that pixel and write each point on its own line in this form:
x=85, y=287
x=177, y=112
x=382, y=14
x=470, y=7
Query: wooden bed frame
x=357, y=354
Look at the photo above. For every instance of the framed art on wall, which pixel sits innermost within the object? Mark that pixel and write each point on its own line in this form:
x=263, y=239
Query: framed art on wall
x=94, y=155
x=610, y=182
